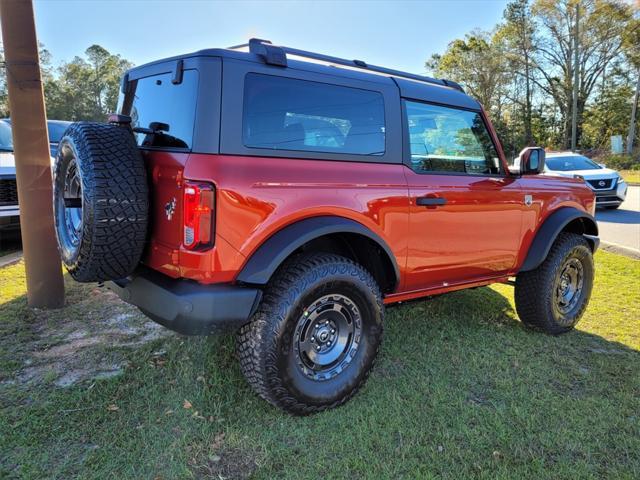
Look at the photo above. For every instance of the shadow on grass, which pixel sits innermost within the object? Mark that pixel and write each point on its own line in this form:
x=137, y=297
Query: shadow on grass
x=460, y=389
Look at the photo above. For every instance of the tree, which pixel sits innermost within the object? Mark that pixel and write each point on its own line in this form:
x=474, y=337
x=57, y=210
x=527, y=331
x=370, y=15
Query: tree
x=477, y=63
x=518, y=36
x=86, y=89
x=631, y=47
x=45, y=70
x=608, y=115
x=602, y=25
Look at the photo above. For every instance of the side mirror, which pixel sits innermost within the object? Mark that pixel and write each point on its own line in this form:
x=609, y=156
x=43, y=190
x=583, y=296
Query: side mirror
x=532, y=161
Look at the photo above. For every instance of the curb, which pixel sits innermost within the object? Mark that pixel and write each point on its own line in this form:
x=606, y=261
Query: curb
x=633, y=184
x=10, y=259
x=620, y=250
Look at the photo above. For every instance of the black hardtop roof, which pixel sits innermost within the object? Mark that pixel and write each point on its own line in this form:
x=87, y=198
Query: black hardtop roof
x=411, y=86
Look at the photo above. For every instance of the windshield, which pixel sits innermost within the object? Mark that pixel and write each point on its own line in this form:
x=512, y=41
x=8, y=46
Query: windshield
x=571, y=162
x=56, y=130
x=6, y=141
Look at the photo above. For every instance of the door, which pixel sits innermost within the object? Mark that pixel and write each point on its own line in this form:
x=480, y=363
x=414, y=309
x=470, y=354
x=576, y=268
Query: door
x=466, y=214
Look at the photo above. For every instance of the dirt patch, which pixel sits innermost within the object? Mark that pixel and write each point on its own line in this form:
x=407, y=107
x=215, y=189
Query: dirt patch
x=221, y=461
x=87, y=339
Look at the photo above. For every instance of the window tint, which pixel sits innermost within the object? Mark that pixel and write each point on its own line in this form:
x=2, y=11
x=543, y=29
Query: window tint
x=6, y=137
x=288, y=114
x=157, y=101
x=449, y=140
x=571, y=162
x=56, y=130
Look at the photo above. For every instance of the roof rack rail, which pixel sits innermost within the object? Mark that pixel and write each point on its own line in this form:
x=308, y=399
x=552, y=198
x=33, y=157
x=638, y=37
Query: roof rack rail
x=277, y=55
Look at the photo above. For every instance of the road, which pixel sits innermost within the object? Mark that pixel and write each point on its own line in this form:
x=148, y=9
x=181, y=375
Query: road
x=622, y=226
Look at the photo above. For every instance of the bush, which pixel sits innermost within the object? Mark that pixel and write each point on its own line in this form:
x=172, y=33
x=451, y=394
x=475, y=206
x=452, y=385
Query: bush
x=620, y=162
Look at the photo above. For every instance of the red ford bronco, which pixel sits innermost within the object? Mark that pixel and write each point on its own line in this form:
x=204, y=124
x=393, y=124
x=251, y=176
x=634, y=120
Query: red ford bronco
x=290, y=196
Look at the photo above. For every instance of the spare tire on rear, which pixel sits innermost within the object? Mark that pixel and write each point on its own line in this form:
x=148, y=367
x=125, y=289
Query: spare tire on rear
x=101, y=201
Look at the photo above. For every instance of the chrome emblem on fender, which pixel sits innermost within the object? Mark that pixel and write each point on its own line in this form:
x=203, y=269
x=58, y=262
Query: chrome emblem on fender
x=170, y=208
x=528, y=200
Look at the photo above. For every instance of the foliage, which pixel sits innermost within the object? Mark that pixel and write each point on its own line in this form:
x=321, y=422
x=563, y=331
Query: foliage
x=608, y=115
x=523, y=71
x=620, y=162
x=86, y=88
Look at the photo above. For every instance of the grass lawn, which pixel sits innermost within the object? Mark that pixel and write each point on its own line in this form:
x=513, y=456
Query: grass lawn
x=631, y=175
x=461, y=390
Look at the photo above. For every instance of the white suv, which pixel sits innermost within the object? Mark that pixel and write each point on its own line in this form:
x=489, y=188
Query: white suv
x=609, y=187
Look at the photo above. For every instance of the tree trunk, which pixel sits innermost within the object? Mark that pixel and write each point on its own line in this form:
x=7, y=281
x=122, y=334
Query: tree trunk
x=527, y=114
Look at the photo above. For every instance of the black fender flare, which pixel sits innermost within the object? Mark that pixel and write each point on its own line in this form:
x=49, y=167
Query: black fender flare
x=269, y=256
x=551, y=228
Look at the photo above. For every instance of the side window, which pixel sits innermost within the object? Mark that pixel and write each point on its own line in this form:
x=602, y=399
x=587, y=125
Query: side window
x=167, y=110
x=288, y=114
x=449, y=140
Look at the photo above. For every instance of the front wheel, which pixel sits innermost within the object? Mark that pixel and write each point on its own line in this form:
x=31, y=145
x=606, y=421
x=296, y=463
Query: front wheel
x=312, y=342
x=554, y=296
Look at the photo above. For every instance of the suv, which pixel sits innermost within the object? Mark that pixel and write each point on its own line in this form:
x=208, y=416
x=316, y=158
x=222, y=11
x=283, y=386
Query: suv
x=609, y=187
x=290, y=196
x=9, y=207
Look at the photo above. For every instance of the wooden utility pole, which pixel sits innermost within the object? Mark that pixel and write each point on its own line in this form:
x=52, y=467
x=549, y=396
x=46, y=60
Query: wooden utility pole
x=632, y=122
x=576, y=80
x=45, y=288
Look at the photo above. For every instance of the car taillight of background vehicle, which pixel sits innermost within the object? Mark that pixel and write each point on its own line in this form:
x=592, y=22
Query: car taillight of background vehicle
x=199, y=206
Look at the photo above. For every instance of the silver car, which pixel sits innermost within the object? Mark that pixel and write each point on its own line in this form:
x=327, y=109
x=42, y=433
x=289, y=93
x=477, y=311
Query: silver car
x=609, y=187
x=9, y=209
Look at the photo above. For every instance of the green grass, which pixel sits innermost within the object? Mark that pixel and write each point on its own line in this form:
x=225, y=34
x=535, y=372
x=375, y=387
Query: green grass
x=631, y=176
x=461, y=390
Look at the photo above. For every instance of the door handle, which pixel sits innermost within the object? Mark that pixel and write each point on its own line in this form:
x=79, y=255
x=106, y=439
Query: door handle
x=431, y=201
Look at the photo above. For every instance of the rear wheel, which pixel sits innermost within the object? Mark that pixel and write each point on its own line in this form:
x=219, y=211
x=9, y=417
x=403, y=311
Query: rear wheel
x=313, y=341
x=554, y=296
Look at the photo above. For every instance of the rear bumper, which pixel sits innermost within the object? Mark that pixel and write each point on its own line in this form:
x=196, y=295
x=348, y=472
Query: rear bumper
x=188, y=307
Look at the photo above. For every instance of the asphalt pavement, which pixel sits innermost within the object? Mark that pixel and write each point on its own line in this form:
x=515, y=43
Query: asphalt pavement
x=622, y=226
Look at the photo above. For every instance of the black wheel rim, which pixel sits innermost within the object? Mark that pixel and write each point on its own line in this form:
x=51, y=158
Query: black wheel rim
x=69, y=200
x=327, y=336
x=568, y=287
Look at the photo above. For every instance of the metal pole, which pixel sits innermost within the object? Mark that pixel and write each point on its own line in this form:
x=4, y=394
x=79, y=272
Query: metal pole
x=45, y=288
x=576, y=80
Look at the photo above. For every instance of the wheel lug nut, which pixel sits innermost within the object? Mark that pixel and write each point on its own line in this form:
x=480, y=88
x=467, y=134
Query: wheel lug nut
x=313, y=339
x=318, y=347
x=333, y=330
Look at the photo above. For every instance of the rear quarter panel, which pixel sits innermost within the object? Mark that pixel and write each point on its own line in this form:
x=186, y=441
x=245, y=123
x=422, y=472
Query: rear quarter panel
x=257, y=196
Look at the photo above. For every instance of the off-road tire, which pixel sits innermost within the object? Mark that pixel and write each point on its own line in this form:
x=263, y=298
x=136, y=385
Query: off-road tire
x=111, y=226
x=267, y=345
x=534, y=290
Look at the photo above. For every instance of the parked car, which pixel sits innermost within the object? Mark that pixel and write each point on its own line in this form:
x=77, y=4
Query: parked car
x=609, y=187
x=292, y=200
x=56, y=129
x=9, y=209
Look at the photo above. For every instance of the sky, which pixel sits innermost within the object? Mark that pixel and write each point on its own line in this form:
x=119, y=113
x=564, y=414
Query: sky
x=394, y=34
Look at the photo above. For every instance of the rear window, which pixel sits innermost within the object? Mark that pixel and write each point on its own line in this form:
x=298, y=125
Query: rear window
x=166, y=108
x=288, y=114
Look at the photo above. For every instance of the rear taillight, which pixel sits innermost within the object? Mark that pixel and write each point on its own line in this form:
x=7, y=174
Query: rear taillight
x=199, y=208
